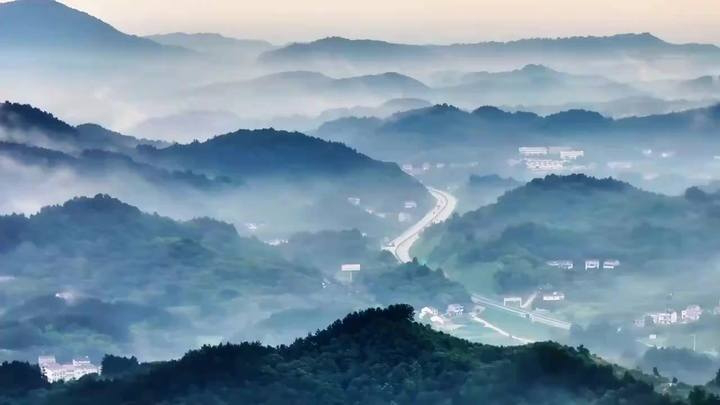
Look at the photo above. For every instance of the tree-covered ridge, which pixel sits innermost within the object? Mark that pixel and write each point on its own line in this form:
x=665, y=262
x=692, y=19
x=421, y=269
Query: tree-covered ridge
x=25, y=124
x=16, y=116
x=487, y=125
x=576, y=217
x=330, y=171
x=266, y=151
x=94, y=271
x=374, y=356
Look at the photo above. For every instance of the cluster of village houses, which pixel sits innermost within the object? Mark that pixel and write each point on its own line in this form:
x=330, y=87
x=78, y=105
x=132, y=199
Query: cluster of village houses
x=671, y=317
x=549, y=158
x=54, y=371
x=402, y=216
x=433, y=315
x=590, y=264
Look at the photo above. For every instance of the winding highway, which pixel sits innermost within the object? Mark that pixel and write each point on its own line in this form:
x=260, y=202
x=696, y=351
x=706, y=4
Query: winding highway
x=444, y=207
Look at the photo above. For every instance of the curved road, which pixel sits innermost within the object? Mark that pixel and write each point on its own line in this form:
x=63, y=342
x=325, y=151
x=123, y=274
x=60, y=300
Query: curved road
x=400, y=246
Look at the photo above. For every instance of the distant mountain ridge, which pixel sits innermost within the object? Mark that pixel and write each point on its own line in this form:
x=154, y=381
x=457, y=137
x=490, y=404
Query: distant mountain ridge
x=391, y=84
x=50, y=24
x=251, y=164
x=456, y=124
x=26, y=124
x=373, y=50
x=213, y=44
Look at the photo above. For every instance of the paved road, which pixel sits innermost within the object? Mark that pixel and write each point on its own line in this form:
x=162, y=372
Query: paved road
x=531, y=315
x=500, y=331
x=400, y=246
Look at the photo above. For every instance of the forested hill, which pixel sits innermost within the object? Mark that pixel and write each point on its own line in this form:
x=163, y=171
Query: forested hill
x=23, y=123
x=576, y=217
x=293, y=158
x=266, y=151
x=377, y=356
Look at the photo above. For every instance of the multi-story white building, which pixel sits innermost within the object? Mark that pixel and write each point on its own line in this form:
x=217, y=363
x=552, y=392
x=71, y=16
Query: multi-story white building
x=571, y=154
x=668, y=317
x=554, y=297
x=544, y=164
x=404, y=217
x=353, y=200
x=54, y=371
x=592, y=264
x=512, y=301
x=454, y=310
x=533, y=150
x=610, y=264
x=410, y=205
x=691, y=314
x=561, y=264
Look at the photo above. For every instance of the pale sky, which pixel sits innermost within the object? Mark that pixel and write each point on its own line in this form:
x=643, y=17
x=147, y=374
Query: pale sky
x=416, y=21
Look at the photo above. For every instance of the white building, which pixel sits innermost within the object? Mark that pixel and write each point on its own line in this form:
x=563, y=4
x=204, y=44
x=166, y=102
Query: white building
x=431, y=314
x=350, y=269
x=353, y=200
x=533, y=150
x=277, y=242
x=542, y=165
x=610, y=264
x=410, y=205
x=554, y=297
x=668, y=317
x=407, y=167
x=571, y=154
x=404, y=217
x=691, y=313
x=454, y=310
x=592, y=264
x=54, y=371
x=561, y=264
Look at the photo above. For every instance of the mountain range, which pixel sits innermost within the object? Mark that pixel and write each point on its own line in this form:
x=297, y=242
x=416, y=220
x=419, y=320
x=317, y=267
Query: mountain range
x=337, y=49
x=373, y=356
x=387, y=85
x=244, y=164
x=490, y=125
x=213, y=44
x=575, y=217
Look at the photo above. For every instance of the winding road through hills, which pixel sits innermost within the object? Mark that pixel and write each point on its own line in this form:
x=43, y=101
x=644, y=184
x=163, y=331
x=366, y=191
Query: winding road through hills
x=400, y=246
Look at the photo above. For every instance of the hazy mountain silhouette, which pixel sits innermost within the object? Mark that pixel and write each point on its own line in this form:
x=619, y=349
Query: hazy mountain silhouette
x=342, y=49
x=213, y=43
x=456, y=124
x=388, y=84
x=26, y=124
x=48, y=24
